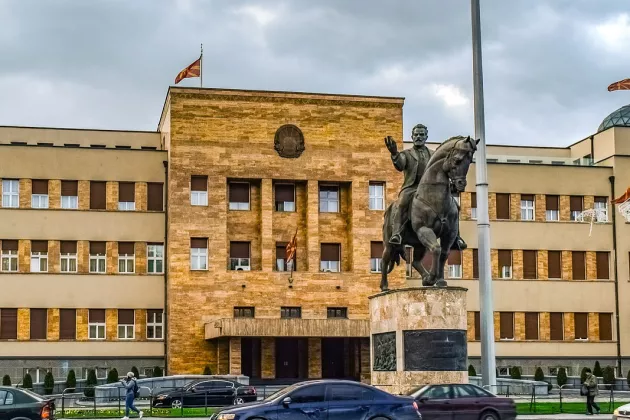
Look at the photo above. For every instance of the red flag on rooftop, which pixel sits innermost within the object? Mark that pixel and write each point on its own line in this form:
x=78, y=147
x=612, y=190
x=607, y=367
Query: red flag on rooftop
x=620, y=85
x=194, y=70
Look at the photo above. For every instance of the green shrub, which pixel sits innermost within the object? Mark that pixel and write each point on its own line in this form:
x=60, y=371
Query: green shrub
x=583, y=375
x=71, y=380
x=27, y=382
x=6, y=380
x=136, y=374
x=562, y=377
x=207, y=371
x=628, y=378
x=539, y=375
x=49, y=383
x=157, y=372
x=90, y=383
x=609, y=375
x=112, y=376
x=597, y=371
x=472, y=371
x=515, y=372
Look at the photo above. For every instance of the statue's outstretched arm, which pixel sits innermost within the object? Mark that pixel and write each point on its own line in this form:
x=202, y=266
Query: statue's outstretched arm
x=400, y=161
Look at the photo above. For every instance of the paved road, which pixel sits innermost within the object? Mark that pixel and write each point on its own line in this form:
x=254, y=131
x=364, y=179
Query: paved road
x=565, y=417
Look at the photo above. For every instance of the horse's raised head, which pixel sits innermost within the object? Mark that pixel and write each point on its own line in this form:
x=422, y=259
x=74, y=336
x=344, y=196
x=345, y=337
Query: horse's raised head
x=458, y=160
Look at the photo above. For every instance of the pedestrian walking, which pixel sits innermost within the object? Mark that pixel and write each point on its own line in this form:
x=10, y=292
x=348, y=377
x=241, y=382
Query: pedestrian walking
x=590, y=390
x=132, y=392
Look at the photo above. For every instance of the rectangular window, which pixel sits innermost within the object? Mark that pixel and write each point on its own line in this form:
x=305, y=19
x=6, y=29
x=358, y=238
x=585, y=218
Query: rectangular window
x=243, y=312
x=9, y=256
x=377, y=196
x=155, y=258
x=337, y=313
x=126, y=196
x=96, y=324
x=530, y=265
x=527, y=207
x=503, y=206
x=477, y=326
x=329, y=199
x=376, y=256
x=126, y=324
x=98, y=195
x=285, y=197
x=155, y=324
x=67, y=324
x=473, y=206
x=454, y=263
x=287, y=312
x=68, y=254
x=605, y=327
x=97, y=257
x=155, y=196
x=281, y=258
x=8, y=324
x=576, y=206
x=10, y=193
x=70, y=195
x=578, y=258
x=39, y=256
x=39, y=194
x=531, y=325
x=603, y=266
x=601, y=207
x=556, y=326
x=475, y=253
x=199, y=253
x=506, y=325
x=126, y=258
x=199, y=190
x=240, y=256
x=39, y=324
x=581, y=325
x=552, y=212
x=554, y=264
x=239, y=195
x=505, y=264
x=330, y=257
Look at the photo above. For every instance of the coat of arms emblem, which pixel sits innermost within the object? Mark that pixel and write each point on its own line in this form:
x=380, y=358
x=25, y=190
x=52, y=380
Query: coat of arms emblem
x=289, y=141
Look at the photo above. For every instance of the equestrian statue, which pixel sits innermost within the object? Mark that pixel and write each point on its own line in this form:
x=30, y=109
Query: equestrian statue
x=426, y=209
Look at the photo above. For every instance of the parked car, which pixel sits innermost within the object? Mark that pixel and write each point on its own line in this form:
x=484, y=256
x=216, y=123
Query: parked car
x=206, y=393
x=462, y=402
x=622, y=412
x=326, y=400
x=17, y=403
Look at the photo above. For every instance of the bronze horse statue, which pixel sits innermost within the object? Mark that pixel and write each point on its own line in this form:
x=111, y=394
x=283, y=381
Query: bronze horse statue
x=433, y=214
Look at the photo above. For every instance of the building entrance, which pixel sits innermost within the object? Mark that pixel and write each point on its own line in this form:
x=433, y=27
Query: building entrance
x=291, y=358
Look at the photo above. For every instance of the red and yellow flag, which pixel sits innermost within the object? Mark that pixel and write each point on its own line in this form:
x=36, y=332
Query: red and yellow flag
x=620, y=85
x=624, y=197
x=194, y=70
x=292, y=247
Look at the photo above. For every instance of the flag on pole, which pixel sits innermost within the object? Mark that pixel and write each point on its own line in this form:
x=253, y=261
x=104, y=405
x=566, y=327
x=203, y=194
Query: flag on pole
x=291, y=248
x=623, y=198
x=620, y=85
x=194, y=70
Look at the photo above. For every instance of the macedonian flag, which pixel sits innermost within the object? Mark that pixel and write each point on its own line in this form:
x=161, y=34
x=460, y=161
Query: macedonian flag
x=620, y=85
x=292, y=247
x=194, y=70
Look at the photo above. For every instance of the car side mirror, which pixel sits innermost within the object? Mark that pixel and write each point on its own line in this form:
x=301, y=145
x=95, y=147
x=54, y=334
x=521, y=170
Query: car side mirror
x=423, y=399
x=193, y=390
x=286, y=401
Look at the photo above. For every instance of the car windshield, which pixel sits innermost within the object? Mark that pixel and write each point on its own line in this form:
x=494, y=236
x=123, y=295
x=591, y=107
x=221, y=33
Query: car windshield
x=282, y=392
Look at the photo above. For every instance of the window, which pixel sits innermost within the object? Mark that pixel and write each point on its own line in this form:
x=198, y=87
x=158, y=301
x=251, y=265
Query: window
x=552, y=212
x=39, y=256
x=8, y=324
x=155, y=258
x=199, y=253
x=454, y=264
x=337, y=313
x=605, y=327
x=97, y=257
x=155, y=324
x=580, y=321
x=281, y=258
x=505, y=264
x=309, y=394
x=349, y=393
x=6, y=398
x=530, y=265
x=376, y=256
x=473, y=206
x=98, y=195
x=438, y=392
x=556, y=326
x=475, y=253
x=155, y=196
x=477, y=326
x=290, y=312
x=285, y=197
x=96, y=324
x=126, y=324
x=377, y=196
x=39, y=324
x=39, y=194
x=506, y=325
x=239, y=256
x=601, y=207
x=554, y=264
x=603, y=265
x=531, y=325
x=503, y=206
x=37, y=374
x=67, y=324
x=579, y=265
x=328, y=199
x=10, y=193
x=69, y=194
x=239, y=195
x=9, y=256
x=68, y=250
x=527, y=207
x=575, y=205
x=126, y=257
x=199, y=190
x=243, y=312
x=126, y=196
x=330, y=257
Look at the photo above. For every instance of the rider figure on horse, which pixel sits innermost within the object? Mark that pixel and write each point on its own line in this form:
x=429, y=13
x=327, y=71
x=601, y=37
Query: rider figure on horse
x=412, y=162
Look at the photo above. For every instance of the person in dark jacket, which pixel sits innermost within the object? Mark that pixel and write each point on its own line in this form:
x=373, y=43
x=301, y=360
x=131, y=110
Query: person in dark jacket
x=130, y=395
x=590, y=385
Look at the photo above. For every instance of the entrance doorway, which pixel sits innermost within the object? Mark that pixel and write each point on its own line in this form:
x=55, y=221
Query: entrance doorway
x=250, y=357
x=333, y=352
x=291, y=358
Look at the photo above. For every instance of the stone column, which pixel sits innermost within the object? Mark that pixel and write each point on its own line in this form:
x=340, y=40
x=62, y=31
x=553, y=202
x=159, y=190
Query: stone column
x=24, y=256
x=54, y=193
x=52, y=333
x=141, y=196
x=314, y=358
x=542, y=260
x=25, y=193
x=312, y=221
x=140, y=316
x=84, y=195
x=111, y=324
x=235, y=356
x=23, y=324
x=82, y=324
x=54, y=257
x=140, y=250
x=515, y=207
x=223, y=356
x=365, y=361
x=268, y=356
x=83, y=257
x=266, y=228
x=112, y=195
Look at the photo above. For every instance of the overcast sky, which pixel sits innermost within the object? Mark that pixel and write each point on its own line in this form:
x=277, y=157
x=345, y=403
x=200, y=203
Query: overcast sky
x=108, y=63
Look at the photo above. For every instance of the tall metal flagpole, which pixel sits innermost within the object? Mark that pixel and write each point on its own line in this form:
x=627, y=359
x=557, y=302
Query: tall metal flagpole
x=488, y=363
x=201, y=67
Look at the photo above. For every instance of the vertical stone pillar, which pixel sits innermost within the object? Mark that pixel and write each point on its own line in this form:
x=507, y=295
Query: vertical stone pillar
x=266, y=228
x=497, y=326
x=140, y=249
x=312, y=221
x=591, y=265
x=23, y=324
x=24, y=256
x=567, y=265
x=83, y=257
x=494, y=261
x=223, y=356
x=111, y=324
x=542, y=260
x=82, y=324
x=53, y=324
x=470, y=326
x=519, y=326
x=25, y=193
x=54, y=194
x=569, y=326
x=140, y=316
x=359, y=251
x=545, y=326
x=565, y=208
x=366, y=363
x=268, y=356
x=84, y=195
x=593, y=327
x=235, y=356
x=111, y=257
x=517, y=264
x=465, y=203
x=540, y=209
x=492, y=206
x=54, y=257
x=112, y=195
x=589, y=202
x=467, y=263
x=314, y=358
x=141, y=196
x=515, y=207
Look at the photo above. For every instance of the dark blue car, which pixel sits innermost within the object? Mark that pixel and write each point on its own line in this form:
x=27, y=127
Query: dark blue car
x=326, y=400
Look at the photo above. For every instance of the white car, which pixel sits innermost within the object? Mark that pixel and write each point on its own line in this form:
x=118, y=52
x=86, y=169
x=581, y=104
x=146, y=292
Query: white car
x=622, y=412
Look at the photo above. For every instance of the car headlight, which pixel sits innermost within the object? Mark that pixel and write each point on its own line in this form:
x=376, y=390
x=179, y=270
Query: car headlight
x=616, y=412
x=226, y=417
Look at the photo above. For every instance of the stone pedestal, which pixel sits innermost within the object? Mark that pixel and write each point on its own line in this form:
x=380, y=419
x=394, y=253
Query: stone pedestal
x=418, y=337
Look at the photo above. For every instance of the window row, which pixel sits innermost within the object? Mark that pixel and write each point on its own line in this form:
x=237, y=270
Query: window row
x=40, y=197
x=40, y=324
x=69, y=257
x=284, y=195
x=287, y=312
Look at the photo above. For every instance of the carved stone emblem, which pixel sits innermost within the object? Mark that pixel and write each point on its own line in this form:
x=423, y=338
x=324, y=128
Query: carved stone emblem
x=384, y=351
x=289, y=141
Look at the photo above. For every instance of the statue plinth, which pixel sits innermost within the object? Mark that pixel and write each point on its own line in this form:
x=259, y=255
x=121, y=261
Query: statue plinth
x=418, y=337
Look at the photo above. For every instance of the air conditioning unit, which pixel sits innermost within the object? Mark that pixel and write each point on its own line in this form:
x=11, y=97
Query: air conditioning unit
x=242, y=268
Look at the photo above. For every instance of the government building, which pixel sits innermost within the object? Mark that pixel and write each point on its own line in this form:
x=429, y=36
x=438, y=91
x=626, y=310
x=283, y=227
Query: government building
x=168, y=248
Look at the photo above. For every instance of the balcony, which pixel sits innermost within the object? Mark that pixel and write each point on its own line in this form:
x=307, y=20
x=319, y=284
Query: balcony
x=252, y=327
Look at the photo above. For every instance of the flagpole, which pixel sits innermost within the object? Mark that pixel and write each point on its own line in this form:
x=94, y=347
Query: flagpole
x=201, y=67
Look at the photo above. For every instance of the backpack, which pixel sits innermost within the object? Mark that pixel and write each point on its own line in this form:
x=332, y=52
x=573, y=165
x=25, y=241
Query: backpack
x=136, y=389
